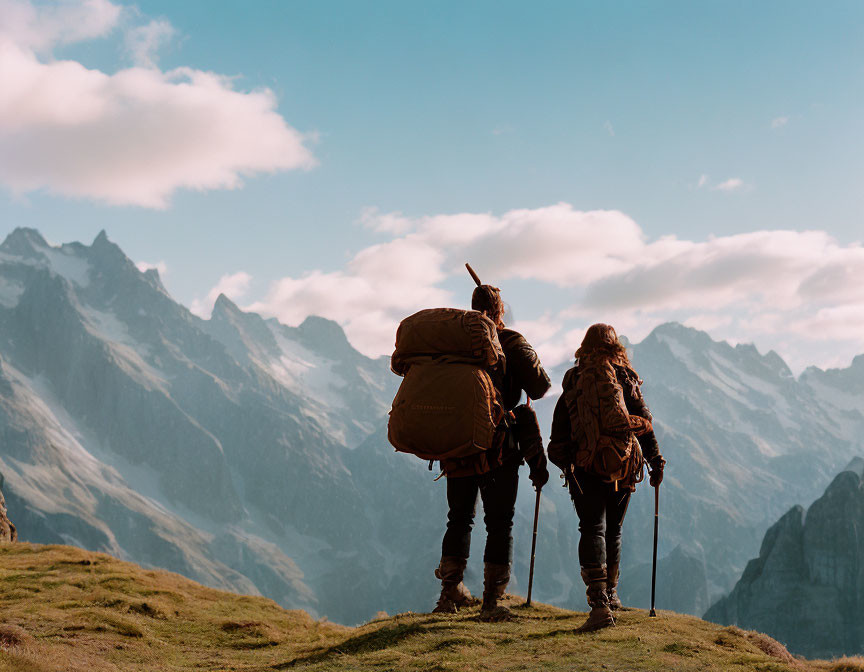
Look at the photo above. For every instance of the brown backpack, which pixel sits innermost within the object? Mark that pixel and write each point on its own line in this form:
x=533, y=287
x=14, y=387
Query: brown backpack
x=601, y=428
x=446, y=406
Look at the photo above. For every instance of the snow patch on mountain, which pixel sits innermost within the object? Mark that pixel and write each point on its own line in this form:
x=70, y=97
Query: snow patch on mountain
x=66, y=264
x=10, y=292
x=115, y=333
x=304, y=372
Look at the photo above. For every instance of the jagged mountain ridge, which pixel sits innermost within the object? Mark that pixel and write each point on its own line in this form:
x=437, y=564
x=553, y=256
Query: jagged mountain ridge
x=806, y=588
x=252, y=455
x=130, y=427
x=743, y=434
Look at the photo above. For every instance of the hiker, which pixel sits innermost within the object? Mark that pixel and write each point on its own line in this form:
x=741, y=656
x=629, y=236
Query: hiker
x=494, y=474
x=595, y=426
x=463, y=377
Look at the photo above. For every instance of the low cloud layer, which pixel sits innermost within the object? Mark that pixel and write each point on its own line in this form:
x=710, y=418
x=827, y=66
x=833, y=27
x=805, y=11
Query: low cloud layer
x=132, y=137
x=799, y=292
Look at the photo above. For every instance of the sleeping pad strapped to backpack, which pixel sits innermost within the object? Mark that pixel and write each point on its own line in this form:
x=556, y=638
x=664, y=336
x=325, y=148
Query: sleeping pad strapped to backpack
x=446, y=406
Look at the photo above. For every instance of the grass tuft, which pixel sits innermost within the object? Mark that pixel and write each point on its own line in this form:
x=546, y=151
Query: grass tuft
x=121, y=626
x=772, y=648
x=853, y=664
x=455, y=642
x=13, y=635
x=681, y=649
x=146, y=609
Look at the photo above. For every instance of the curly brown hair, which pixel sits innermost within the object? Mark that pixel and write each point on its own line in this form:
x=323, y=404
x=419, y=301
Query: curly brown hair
x=601, y=340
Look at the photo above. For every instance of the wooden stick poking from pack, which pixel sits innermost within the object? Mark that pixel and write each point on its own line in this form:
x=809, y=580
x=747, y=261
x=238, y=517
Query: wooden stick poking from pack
x=473, y=274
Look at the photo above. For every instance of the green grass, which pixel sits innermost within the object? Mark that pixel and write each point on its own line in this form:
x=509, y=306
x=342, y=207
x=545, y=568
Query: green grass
x=62, y=608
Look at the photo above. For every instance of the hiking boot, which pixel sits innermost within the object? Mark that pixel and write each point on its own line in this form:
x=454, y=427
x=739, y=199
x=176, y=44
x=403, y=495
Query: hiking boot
x=495, y=580
x=612, y=572
x=454, y=594
x=601, y=615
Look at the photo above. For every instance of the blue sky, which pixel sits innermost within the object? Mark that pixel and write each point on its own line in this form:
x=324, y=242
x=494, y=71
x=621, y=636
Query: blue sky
x=695, y=120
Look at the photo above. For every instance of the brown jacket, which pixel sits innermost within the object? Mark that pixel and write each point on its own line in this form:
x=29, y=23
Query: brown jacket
x=522, y=371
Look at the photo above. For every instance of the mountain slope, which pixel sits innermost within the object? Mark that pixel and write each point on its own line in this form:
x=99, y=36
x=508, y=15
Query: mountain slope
x=130, y=426
x=807, y=585
x=77, y=611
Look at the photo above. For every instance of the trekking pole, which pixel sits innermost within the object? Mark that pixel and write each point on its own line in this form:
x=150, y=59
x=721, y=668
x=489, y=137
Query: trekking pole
x=533, y=548
x=652, y=613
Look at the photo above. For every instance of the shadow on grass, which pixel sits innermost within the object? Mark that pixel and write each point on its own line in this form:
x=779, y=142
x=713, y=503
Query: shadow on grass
x=376, y=640
x=552, y=633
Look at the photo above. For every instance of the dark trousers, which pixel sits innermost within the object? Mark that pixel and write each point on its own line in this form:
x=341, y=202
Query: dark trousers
x=601, y=513
x=497, y=490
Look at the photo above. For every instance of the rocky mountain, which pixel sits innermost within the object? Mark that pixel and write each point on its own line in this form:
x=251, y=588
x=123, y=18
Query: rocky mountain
x=250, y=455
x=806, y=588
x=213, y=448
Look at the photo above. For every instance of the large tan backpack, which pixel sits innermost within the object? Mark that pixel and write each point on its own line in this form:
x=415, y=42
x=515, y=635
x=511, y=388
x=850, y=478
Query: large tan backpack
x=601, y=428
x=446, y=406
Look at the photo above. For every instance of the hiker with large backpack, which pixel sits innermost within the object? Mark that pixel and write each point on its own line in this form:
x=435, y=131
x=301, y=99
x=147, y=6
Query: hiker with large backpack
x=464, y=374
x=595, y=426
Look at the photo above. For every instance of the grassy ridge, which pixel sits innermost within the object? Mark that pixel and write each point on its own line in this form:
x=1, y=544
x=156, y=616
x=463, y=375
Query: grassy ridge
x=67, y=609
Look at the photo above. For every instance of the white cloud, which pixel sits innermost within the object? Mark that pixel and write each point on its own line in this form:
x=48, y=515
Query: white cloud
x=234, y=285
x=732, y=184
x=160, y=266
x=391, y=222
x=784, y=289
x=39, y=27
x=133, y=137
x=834, y=322
x=380, y=285
x=609, y=129
x=703, y=180
x=708, y=321
x=779, y=122
x=144, y=42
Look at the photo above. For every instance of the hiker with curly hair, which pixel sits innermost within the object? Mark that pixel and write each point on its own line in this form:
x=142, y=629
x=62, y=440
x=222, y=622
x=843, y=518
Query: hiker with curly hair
x=595, y=426
x=493, y=474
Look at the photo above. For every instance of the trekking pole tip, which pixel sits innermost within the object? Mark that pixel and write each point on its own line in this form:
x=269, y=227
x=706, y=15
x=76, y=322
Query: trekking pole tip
x=652, y=614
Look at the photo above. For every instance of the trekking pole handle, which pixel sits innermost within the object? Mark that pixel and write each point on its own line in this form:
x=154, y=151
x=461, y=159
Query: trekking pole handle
x=473, y=274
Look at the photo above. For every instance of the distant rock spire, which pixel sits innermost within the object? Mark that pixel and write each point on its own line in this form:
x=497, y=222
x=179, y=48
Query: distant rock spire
x=101, y=239
x=224, y=305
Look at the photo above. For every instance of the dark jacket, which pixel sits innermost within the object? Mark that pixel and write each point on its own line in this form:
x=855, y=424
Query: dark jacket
x=561, y=440
x=522, y=371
